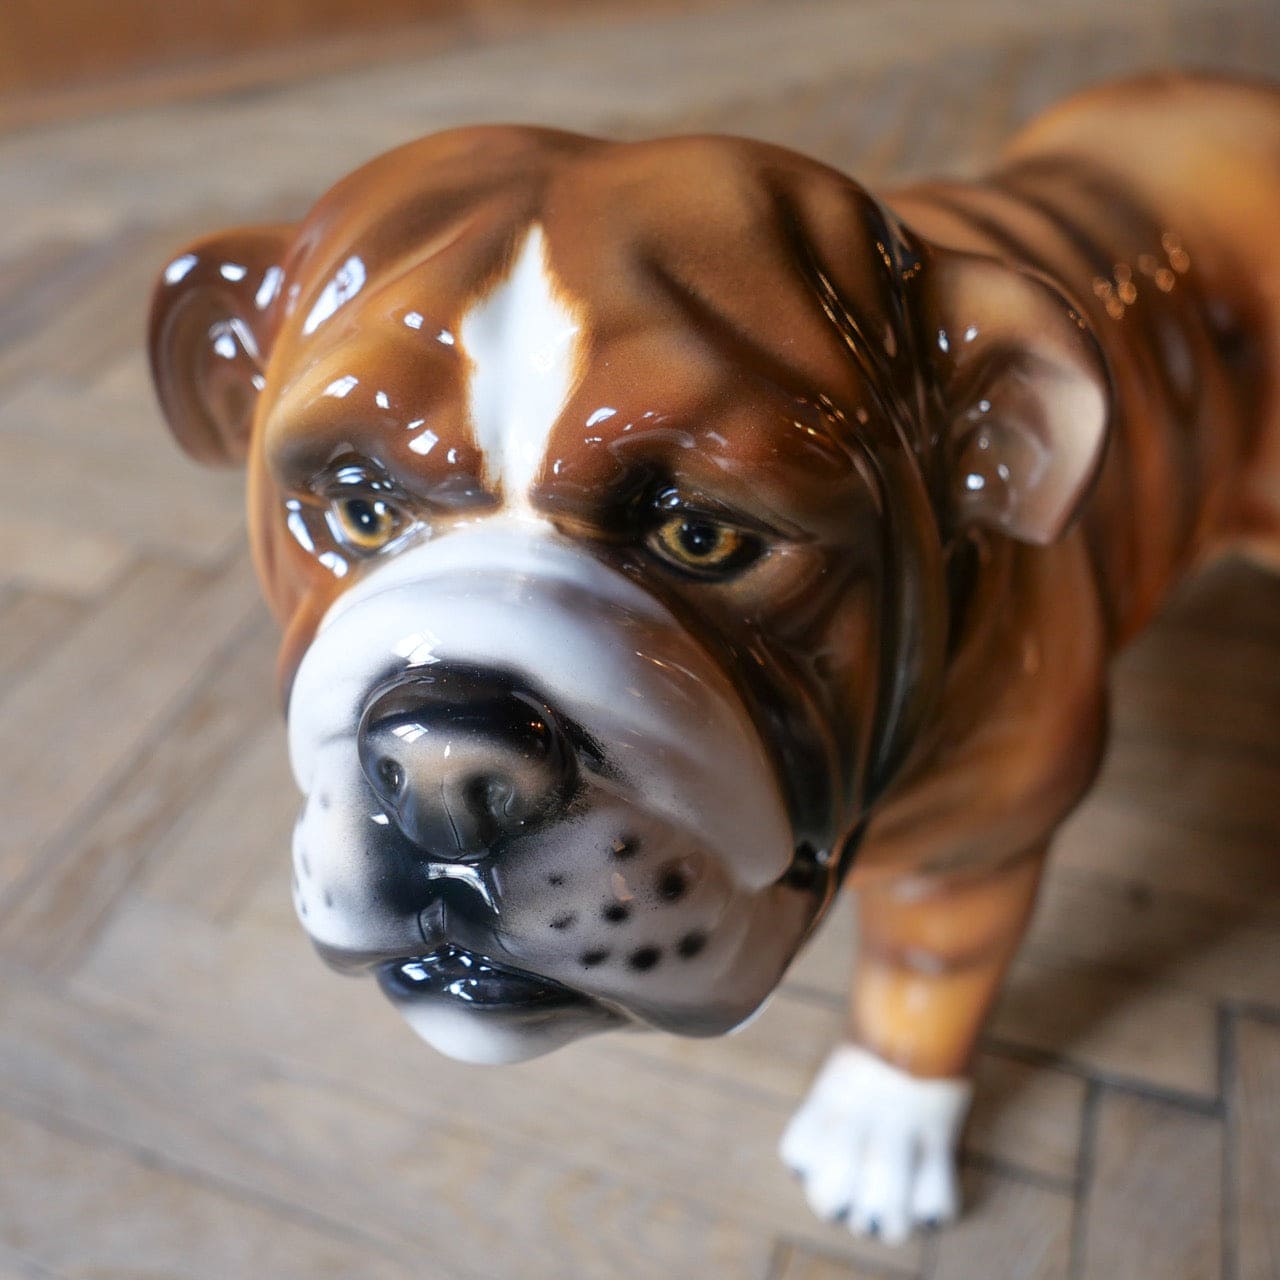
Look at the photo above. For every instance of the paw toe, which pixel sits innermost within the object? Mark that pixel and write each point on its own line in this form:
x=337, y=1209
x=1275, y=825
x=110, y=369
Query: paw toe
x=829, y=1185
x=935, y=1197
x=884, y=1189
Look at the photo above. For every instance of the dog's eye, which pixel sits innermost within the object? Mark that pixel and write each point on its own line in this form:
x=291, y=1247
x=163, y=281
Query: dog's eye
x=702, y=545
x=365, y=522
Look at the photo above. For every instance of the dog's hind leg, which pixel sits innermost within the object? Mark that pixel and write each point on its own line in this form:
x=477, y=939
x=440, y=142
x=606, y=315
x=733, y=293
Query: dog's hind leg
x=876, y=1139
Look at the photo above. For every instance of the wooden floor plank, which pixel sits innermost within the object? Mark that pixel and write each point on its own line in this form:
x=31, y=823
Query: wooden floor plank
x=49, y=923
x=16, y=1266
x=408, y=1158
x=73, y=342
x=43, y=282
x=1175, y=939
x=1255, y=1147
x=237, y=831
x=1237, y=786
x=1206, y=854
x=1117, y=1027
x=794, y=1262
x=45, y=556
x=89, y=706
x=1153, y=1207
x=51, y=405
x=1028, y=1228
x=73, y=1205
x=141, y=497
x=1026, y=1117
x=1179, y=691
x=31, y=622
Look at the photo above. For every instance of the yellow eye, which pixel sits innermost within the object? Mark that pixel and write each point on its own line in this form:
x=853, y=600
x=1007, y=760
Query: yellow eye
x=364, y=522
x=702, y=545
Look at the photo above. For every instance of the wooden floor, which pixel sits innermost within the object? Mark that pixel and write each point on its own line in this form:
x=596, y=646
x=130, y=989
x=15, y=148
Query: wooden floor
x=185, y=1091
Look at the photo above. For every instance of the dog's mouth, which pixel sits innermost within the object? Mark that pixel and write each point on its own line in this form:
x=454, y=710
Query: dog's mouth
x=474, y=1009
x=464, y=979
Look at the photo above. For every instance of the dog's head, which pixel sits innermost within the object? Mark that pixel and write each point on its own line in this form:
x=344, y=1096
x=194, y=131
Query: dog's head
x=614, y=499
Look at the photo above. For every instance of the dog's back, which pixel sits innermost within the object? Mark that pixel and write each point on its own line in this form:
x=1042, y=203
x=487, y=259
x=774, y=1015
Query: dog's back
x=1154, y=204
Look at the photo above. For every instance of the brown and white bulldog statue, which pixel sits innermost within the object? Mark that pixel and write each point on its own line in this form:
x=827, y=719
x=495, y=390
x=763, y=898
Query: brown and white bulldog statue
x=667, y=533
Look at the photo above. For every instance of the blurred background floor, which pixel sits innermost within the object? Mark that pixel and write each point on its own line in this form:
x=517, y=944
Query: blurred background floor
x=184, y=1091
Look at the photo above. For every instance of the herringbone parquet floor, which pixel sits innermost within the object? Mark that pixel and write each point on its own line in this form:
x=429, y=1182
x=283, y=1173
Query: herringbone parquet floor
x=185, y=1092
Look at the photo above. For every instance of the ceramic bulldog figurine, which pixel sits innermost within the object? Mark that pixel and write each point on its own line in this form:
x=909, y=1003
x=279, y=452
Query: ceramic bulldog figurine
x=665, y=533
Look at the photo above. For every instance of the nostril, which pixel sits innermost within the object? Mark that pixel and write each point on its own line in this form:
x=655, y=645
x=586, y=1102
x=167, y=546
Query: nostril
x=390, y=774
x=488, y=795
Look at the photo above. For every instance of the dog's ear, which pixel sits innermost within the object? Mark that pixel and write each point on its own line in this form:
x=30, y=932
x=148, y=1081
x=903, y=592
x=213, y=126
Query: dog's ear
x=1025, y=393
x=213, y=317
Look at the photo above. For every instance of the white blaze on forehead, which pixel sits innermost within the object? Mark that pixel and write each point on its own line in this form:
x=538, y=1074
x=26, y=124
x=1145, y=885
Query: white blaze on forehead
x=522, y=343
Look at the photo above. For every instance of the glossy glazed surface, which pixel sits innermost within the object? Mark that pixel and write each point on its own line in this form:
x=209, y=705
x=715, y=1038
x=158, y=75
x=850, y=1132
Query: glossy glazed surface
x=756, y=491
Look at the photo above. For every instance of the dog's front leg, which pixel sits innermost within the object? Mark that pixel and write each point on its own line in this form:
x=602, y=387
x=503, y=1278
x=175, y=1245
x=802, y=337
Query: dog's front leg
x=876, y=1139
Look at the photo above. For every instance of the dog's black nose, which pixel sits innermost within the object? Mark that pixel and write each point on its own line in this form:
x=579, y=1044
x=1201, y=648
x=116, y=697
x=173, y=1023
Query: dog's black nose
x=464, y=758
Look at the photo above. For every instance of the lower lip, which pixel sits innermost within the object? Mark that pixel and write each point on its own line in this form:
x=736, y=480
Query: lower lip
x=454, y=975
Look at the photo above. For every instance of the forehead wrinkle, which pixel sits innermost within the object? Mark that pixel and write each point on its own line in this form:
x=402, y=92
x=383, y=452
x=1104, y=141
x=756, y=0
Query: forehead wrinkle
x=362, y=358
x=360, y=352
x=866, y=233
x=300, y=421
x=736, y=348
x=708, y=320
x=852, y=332
x=706, y=390
x=386, y=275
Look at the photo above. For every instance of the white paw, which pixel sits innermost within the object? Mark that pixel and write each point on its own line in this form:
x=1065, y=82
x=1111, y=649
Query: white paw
x=876, y=1147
